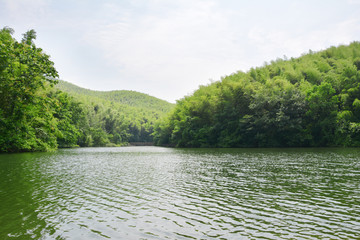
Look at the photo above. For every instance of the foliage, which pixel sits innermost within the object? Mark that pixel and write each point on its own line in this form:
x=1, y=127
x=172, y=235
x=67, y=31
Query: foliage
x=26, y=120
x=128, y=98
x=309, y=101
x=35, y=116
x=121, y=116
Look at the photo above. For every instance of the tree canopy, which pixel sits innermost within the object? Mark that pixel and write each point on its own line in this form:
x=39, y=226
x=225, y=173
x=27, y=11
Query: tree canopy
x=26, y=121
x=122, y=116
x=312, y=100
x=36, y=116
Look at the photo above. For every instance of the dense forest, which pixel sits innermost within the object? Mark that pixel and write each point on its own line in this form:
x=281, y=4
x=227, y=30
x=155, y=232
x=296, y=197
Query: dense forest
x=130, y=98
x=126, y=116
x=310, y=101
x=40, y=113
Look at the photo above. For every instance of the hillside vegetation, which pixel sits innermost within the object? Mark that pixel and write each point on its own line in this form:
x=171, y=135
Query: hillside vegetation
x=36, y=116
x=130, y=98
x=128, y=116
x=311, y=101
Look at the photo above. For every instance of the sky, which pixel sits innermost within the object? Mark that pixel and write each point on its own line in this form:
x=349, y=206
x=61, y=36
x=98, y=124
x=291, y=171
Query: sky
x=167, y=48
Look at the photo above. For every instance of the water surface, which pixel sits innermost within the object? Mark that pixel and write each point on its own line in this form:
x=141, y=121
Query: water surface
x=163, y=193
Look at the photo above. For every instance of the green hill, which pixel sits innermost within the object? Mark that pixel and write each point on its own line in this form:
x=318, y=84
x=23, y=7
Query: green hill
x=313, y=100
x=40, y=113
x=130, y=98
x=310, y=101
x=125, y=116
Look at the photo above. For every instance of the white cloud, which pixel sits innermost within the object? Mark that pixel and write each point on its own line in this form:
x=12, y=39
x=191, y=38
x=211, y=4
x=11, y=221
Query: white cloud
x=179, y=48
x=353, y=2
x=26, y=9
x=178, y=45
x=272, y=43
x=168, y=48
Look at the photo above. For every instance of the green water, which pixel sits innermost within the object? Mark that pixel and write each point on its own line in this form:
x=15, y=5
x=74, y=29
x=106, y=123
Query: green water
x=162, y=193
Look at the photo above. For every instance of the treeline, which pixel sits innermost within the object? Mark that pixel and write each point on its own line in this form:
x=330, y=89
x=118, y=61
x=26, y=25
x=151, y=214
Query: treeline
x=126, y=116
x=129, y=98
x=310, y=101
x=36, y=116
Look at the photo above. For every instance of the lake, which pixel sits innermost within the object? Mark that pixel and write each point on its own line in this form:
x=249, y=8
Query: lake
x=165, y=193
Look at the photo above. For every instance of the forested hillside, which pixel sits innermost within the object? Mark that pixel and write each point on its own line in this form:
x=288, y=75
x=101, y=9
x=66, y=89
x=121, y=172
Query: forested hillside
x=310, y=101
x=36, y=116
x=128, y=116
x=313, y=100
x=130, y=98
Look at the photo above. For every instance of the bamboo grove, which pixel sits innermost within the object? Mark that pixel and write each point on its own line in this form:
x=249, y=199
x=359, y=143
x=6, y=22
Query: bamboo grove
x=310, y=101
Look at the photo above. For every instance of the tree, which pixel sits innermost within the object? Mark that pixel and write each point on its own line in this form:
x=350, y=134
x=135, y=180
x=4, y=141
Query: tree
x=309, y=101
x=26, y=120
x=28, y=37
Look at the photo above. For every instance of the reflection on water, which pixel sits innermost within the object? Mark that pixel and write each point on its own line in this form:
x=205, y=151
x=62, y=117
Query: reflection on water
x=161, y=193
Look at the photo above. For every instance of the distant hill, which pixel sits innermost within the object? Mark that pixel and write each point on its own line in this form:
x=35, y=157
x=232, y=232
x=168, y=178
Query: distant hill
x=124, y=116
x=129, y=98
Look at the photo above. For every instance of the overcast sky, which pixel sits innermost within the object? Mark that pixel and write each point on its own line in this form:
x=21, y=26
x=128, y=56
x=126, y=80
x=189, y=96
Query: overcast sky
x=167, y=48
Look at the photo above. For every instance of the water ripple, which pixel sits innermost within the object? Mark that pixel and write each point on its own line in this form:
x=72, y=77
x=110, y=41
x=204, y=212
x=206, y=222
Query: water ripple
x=160, y=193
